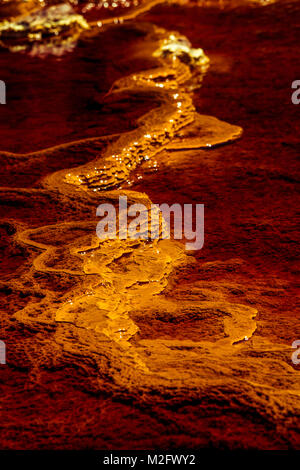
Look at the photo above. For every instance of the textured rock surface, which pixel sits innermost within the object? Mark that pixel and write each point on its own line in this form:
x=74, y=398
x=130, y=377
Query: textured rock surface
x=123, y=344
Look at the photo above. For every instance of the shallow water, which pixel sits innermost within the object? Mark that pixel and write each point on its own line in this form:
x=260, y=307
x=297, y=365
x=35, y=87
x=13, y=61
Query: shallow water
x=134, y=108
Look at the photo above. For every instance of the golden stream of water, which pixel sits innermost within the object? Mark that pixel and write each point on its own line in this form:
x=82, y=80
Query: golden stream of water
x=116, y=277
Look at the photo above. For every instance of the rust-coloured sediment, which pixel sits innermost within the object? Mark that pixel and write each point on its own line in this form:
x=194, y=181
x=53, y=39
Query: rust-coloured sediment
x=136, y=343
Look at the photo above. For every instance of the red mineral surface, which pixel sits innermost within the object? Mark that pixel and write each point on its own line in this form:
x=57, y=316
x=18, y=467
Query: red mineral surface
x=140, y=343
